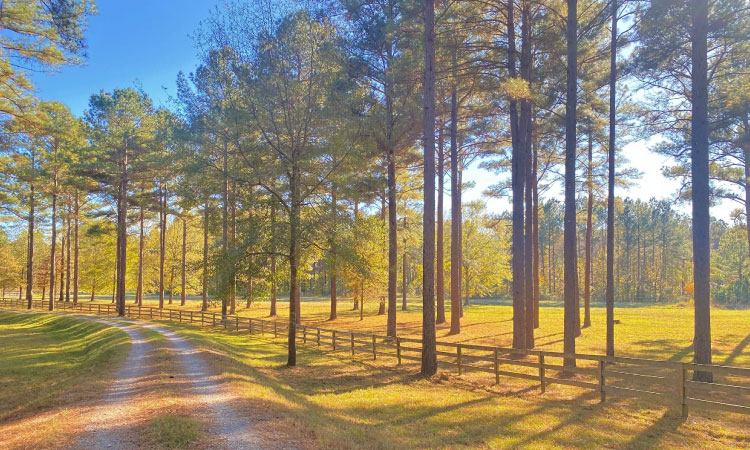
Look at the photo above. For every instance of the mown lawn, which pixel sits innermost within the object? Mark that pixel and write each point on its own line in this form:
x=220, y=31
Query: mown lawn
x=50, y=360
x=645, y=331
x=334, y=401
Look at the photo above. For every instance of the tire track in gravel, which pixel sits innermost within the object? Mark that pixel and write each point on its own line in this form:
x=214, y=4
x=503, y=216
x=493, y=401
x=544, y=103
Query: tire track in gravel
x=227, y=428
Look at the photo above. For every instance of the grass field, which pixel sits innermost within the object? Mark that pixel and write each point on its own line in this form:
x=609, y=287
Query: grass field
x=50, y=360
x=646, y=331
x=335, y=402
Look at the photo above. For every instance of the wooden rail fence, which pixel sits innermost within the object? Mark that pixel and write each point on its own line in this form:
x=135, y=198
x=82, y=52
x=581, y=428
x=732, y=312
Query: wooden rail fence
x=665, y=382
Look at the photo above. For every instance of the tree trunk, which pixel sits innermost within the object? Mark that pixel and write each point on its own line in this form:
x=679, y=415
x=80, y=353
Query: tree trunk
x=139, y=289
x=455, y=219
x=204, y=287
x=273, y=264
x=392, y=244
x=700, y=176
x=403, y=273
x=76, y=250
x=62, y=265
x=535, y=235
x=525, y=135
x=610, y=289
x=334, y=287
x=429, y=351
x=440, y=267
x=93, y=291
x=162, y=239
x=570, y=255
x=517, y=184
x=294, y=258
x=171, y=283
x=224, y=231
x=233, y=240
x=30, y=249
x=53, y=244
x=122, y=230
x=68, y=256
x=183, y=267
x=589, y=217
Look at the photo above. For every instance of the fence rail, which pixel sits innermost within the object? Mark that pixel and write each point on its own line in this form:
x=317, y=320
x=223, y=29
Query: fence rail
x=665, y=382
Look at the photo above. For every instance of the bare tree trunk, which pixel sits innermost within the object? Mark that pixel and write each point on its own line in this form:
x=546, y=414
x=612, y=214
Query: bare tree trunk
x=183, y=267
x=392, y=244
x=139, y=289
x=535, y=235
x=569, y=222
x=294, y=258
x=62, y=265
x=204, y=287
x=525, y=135
x=455, y=219
x=589, y=217
x=68, y=256
x=233, y=240
x=273, y=265
x=429, y=354
x=76, y=260
x=224, y=231
x=403, y=273
x=440, y=268
x=700, y=182
x=53, y=244
x=171, y=283
x=517, y=184
x=162, y=239
x=334, y=287
x=30, y=249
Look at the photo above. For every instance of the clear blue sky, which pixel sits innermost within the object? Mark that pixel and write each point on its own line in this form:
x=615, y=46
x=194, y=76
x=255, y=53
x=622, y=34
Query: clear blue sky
x=147, y=42
x=131, y=41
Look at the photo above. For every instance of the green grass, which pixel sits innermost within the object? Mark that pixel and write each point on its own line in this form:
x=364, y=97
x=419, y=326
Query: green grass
x=657, y=331
x=170, y=431
x=50, y=360
x=345, y=403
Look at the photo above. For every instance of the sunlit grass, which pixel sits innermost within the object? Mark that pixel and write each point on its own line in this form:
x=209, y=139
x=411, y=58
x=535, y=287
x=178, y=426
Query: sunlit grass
x=47, y=360
x=645, y=331
x=170, y=431
x=345, y=403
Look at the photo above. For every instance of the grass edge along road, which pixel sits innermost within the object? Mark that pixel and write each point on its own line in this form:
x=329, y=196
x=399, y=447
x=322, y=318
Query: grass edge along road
x=52, y=360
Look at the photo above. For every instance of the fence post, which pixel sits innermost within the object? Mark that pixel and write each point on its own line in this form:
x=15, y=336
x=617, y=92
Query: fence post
x=179, y=318
x=682, y=376
x=352, y=344
x=497, y=368
x=398, y=350
x=602, y=393
x=250, y=325
x=275, y=330
x=333, y=340
x=318, y=337
x=304, y=334
x=213, y=319
x=458, y=359
x=542, y=381
x=237, y=323
x=374, y=352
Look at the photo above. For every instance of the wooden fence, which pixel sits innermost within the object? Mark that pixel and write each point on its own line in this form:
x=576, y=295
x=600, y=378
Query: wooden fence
x=665, y=382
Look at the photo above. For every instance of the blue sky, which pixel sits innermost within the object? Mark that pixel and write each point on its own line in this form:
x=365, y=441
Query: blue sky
x=145, y=43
